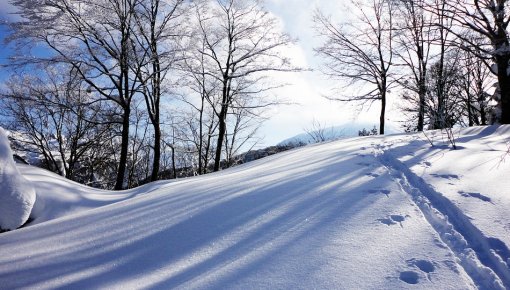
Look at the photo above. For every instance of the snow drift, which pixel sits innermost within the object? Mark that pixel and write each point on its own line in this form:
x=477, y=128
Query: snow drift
x=17, y=195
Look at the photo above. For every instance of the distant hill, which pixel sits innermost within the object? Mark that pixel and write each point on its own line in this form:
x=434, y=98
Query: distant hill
x=337, y=132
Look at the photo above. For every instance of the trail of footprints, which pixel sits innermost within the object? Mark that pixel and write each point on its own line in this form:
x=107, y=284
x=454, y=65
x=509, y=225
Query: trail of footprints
x=426, y=267
x=411, y=276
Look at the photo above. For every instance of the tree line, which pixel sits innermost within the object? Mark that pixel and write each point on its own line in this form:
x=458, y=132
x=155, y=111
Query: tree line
x=130, y=91
x=447, y=61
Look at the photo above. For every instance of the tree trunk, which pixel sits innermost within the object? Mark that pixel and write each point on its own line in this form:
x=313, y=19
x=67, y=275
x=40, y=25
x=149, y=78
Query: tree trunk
x=383, y=112
x=174, y=166
x=222, y=128
x=121, y=171
x=207, y=149
x=421, y=109
x=221, y=136
x=504, y=86
x=156, y=120
x=470, y=110
x=201, y=138
x=481, y=101
x=157, y=151
x=124, y=95
x=156, y=79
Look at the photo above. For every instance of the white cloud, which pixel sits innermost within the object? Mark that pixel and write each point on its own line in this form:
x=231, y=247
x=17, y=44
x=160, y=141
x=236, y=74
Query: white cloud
x=306, y=89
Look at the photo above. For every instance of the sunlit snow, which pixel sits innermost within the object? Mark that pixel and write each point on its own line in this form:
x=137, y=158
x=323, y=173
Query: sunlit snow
x=363, y=213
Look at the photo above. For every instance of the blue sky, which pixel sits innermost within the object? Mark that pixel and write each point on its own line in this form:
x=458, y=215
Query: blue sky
x=3, y=53
x=306, y=89
x=6, y=11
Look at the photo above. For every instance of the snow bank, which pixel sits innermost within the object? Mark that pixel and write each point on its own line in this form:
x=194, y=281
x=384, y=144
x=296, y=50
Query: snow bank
x=17, y=195
x=58, y=196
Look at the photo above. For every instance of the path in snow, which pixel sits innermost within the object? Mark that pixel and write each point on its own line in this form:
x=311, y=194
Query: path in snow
x=478, y=255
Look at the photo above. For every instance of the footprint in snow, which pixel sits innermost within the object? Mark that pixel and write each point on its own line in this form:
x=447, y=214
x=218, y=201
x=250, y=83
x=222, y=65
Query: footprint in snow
x=372, y=175
x=392, y=220
x=386, y=221
x=500, y=248
x=397, y=218
x=427, y=164
x=425, y=266
x=383, y=191
x=475, y=195
x=410, y=277
x=446, y=176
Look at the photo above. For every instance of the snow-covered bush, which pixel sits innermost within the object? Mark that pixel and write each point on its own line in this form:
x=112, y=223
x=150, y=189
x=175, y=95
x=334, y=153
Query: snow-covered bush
x=17, y=195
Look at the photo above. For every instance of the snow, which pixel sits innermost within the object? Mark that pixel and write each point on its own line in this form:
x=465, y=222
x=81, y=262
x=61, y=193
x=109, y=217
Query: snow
x=17, y=195
x=380, y=212
x=57, y=196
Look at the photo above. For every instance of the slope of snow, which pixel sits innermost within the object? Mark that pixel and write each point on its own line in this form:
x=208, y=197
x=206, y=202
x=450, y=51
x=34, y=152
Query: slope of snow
x=17, y=195
x=363, y=213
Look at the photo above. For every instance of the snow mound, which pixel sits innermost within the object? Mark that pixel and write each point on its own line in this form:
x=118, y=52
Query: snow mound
x=58, y=196
x=17, y=195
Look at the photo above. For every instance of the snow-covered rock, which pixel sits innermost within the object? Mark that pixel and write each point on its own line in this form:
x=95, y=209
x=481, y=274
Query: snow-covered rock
x=17, y=195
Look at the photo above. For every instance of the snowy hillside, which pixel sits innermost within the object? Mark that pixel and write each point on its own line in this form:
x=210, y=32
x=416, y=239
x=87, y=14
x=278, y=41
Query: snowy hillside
x=362, y=213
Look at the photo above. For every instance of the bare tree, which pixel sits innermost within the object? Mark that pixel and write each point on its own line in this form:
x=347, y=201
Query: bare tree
x=444, y=107
x=158, y=27
x=433, y=91
x=244, y=43
x=476, y=82
x=203, y=98
x=317, y=131
x=93, y=36
x=51, y=114
x=415, y=41
x=445, y=68
x=138, y=166
x=241, y=131
x=489, y=20
x=361, y=52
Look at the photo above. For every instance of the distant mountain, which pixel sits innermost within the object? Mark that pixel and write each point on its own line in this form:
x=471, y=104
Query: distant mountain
x=337, y=132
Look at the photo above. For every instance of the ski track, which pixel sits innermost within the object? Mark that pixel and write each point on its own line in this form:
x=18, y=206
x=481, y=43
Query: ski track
x=483, y=258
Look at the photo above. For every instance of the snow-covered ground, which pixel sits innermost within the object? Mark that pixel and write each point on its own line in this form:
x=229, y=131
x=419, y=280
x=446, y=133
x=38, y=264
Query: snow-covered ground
x=364, y=213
